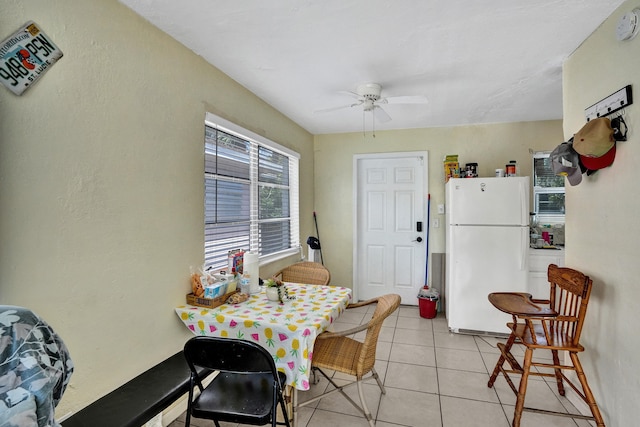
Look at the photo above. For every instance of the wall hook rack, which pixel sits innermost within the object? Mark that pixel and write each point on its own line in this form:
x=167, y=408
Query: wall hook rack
x=609, y=105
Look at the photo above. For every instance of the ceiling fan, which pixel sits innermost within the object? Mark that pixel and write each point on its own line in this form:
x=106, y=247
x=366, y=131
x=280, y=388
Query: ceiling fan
x=368, y=96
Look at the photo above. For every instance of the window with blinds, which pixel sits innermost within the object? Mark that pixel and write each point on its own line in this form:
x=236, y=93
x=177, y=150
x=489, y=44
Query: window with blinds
x=251, y=197
x=548, y=190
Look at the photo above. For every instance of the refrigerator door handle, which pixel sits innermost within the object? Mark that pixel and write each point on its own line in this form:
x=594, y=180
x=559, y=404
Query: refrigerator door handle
x=524, y=204
x=524, y=248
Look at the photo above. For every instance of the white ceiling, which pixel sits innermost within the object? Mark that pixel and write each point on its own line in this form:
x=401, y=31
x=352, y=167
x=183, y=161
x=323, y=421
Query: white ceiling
x=481, y=61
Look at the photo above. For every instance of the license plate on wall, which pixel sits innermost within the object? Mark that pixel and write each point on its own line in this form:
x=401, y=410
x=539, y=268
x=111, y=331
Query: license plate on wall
x=25, y=56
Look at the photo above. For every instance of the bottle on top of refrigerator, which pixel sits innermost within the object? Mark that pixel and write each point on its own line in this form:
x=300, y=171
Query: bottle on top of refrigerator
x=512, y=168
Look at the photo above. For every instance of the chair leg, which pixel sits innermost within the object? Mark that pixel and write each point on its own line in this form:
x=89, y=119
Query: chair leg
x=556, y=361
x=367, y=412
x=189, y=402
x=315, y=379
x=377, y=377
x=501, y=360
x=522, y=390
x=363, y=408
x=496, y=371
x=284, y=411
x=590, y=400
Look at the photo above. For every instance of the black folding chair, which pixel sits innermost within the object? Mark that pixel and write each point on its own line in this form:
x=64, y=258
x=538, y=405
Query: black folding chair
x=247, y=388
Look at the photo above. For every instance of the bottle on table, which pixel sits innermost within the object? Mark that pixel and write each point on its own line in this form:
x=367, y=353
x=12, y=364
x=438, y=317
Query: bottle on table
x=245, y=284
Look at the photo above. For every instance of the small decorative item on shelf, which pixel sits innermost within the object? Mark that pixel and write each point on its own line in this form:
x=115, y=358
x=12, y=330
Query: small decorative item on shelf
x=277, y=291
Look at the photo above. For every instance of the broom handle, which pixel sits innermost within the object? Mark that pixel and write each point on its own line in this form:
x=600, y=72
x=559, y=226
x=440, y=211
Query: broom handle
x=318, y=234
x=426, y=272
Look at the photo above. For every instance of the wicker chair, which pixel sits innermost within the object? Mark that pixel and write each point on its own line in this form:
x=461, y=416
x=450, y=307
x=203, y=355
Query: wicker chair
x=310, y=273
x=336, y=351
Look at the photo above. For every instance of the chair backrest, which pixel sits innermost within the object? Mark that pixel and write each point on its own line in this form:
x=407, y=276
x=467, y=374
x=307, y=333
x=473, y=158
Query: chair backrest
x=228, y=355
x=387, y=304
x=569, y=297
x=311, y=273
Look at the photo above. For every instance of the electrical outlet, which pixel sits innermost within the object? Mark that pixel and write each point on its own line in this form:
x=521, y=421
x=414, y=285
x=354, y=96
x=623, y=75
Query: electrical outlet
x=440, y=209
x=436, y=223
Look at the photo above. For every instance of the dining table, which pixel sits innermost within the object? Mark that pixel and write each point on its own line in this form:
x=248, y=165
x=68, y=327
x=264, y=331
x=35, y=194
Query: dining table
x=286, y=329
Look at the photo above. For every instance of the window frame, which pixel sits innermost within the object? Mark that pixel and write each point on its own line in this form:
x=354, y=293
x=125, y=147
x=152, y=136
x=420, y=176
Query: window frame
x=256, y=141
x=538, y=190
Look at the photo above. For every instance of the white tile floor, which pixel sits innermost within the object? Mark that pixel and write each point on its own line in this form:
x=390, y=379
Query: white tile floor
x=433, y=378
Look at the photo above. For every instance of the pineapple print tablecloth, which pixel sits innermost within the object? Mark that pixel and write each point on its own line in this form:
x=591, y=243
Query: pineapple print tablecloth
x=287, y=330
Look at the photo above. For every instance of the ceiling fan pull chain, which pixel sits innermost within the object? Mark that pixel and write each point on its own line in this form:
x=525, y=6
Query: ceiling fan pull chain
x=373, y=124
x=364, y=129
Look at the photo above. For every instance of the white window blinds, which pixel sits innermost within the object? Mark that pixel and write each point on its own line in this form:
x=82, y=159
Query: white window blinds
x=251, y=195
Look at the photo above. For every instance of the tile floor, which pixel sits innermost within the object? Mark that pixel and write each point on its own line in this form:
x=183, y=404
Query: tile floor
x=432, y=377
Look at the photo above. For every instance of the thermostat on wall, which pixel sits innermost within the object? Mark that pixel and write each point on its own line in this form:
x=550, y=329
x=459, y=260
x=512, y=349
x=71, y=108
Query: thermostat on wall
x=627, y=27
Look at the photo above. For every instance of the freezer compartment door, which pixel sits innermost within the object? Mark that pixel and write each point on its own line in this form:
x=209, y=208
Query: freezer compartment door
x=484, y=259
x=492, y=201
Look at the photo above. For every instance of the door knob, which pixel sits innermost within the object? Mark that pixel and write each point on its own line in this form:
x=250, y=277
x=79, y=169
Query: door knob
x=419, y=239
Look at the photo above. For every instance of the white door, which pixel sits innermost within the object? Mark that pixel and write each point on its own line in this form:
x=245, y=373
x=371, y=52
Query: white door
x=389, y=250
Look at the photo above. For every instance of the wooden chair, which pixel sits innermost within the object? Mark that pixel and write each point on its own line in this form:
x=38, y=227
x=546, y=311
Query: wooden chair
x=336, y=351
x=311, y=273
x=554, y=324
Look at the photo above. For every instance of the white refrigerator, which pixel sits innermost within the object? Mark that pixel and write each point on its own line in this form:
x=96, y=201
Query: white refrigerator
x=487, y=246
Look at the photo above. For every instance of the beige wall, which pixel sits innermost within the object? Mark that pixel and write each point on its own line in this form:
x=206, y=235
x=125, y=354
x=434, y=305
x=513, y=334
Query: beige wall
x=101, y=191
x=491, y=146
x=602, y=226
x=101, y=185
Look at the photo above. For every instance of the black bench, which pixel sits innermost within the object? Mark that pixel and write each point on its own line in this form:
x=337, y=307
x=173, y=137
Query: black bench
x=139, y=400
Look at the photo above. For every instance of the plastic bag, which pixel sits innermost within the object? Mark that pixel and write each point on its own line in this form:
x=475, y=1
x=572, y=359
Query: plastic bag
x=429, y=293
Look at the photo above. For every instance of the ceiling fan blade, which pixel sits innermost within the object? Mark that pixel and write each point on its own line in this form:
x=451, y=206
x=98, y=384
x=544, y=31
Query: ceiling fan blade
x=409, y=99
x=349, y=93
x=341, y=107
x=380, y=115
